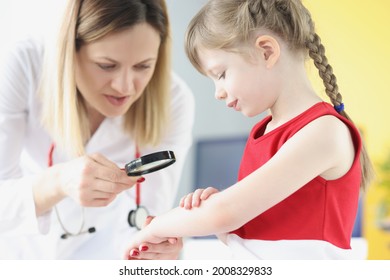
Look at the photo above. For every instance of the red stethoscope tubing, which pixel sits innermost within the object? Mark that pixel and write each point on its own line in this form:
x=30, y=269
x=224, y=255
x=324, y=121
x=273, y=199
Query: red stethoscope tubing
x=137, y=186
x=50, y=155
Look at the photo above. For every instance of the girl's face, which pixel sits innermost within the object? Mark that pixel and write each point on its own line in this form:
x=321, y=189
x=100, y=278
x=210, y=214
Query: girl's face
x=112, y=72
x=243, y=83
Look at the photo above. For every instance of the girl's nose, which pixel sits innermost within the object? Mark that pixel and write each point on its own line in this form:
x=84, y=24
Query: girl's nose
x=220, y=94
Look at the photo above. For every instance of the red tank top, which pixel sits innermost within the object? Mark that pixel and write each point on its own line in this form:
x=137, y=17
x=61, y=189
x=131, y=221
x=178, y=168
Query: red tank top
x=321, y=209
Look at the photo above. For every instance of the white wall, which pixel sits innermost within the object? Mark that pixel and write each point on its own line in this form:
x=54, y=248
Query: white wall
x=19, y=18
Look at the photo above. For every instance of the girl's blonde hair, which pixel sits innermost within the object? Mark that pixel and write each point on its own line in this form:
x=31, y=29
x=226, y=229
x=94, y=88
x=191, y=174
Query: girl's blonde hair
x=85, y=21
x=229, y=24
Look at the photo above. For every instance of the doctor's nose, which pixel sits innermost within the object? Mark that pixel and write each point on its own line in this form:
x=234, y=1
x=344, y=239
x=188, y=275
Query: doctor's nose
x=123, y=83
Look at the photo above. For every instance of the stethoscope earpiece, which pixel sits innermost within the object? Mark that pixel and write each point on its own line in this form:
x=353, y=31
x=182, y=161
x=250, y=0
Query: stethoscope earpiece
x=69, y=234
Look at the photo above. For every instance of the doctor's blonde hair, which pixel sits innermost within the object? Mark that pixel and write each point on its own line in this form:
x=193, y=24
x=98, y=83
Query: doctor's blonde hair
x=231, y=25
x=63, y=108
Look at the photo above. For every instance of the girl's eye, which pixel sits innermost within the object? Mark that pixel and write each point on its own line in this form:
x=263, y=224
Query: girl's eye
x=222, y=76
x=106, y=66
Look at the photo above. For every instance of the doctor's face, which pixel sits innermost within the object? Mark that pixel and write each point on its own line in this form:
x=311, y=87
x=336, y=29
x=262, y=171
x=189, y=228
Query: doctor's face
x=112, y=72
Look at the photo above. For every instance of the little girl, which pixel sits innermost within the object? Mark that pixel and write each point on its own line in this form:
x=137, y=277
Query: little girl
x=303, y=165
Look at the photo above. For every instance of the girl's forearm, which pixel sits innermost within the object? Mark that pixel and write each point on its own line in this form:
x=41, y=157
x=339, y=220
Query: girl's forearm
x=214, y=216
x=220, y=213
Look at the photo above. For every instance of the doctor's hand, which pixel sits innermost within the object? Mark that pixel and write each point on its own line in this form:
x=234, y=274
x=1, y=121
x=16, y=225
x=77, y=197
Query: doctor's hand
x=194, y=199
x=165, y=250
x=93, y=180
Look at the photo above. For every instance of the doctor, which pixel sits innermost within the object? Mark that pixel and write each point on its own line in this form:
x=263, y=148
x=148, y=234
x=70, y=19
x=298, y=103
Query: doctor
x=72, y=114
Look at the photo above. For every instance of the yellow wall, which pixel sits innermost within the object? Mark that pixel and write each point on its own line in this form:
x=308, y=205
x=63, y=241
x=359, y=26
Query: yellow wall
x=356, y=36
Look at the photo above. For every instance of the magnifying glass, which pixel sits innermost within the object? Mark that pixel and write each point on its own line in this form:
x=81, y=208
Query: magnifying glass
x=150, y=163
x=141, y=166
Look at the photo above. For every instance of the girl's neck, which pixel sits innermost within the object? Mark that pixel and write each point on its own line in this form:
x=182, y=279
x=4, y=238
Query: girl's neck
x=296, y=96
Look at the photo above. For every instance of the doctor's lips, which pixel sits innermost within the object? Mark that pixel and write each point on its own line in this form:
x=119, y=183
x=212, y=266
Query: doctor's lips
x=117, y=100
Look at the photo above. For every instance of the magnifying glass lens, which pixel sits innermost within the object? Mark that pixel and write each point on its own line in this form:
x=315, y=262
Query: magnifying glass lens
x=150, y=163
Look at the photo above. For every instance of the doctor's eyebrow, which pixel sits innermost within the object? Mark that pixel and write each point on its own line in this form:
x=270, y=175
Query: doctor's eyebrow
x=151, y=59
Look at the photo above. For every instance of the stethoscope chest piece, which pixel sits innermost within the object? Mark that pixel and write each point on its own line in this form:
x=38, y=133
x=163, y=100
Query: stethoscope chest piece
x=137, y=217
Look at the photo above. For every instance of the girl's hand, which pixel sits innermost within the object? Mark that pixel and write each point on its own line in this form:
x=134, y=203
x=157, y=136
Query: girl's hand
x=92, y=180
x=194, y=199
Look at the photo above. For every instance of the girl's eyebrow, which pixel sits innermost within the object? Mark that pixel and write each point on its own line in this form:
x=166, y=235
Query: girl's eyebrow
x=210, y=72
x=212, y=69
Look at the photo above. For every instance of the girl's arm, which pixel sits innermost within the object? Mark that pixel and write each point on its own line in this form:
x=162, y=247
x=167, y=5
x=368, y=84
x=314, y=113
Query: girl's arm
x=323, y=147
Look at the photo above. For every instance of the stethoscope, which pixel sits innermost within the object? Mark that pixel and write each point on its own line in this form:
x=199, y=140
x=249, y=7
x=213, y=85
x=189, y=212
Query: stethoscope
x=67, y=233
x=140, y=166
x=137, y=216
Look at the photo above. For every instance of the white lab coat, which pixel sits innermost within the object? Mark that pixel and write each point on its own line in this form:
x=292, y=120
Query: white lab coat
x=24, y=146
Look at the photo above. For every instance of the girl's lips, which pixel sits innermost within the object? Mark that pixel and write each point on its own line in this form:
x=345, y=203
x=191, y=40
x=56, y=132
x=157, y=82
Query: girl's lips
x=117, y=101
x=233, y=105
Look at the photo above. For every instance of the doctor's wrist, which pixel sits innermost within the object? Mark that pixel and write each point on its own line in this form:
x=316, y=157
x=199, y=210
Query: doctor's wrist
x=47, y=191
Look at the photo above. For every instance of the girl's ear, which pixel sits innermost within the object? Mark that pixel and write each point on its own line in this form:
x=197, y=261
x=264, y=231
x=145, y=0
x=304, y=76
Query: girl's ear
x=269, y=49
